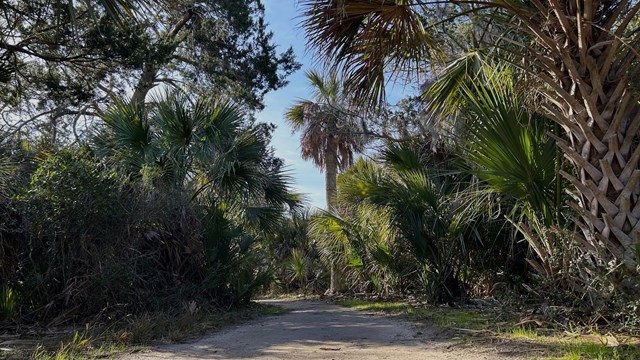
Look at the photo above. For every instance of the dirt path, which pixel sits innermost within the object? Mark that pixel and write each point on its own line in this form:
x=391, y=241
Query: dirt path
x=315, y=330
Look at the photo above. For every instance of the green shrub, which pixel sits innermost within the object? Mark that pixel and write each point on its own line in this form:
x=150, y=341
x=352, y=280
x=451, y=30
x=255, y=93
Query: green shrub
x=75, y=219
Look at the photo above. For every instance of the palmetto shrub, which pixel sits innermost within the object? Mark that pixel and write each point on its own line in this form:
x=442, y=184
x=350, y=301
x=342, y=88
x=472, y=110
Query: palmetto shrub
x=403, y=215
x=207, y=152
x=294, y=257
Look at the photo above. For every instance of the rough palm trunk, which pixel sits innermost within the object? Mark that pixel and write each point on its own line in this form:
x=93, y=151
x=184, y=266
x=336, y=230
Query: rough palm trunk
x=587, y=62
x=331, y=174
x=607, y=161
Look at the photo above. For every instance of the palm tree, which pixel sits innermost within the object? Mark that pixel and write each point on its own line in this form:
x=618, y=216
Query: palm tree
x=583, y=59
x=330, y=135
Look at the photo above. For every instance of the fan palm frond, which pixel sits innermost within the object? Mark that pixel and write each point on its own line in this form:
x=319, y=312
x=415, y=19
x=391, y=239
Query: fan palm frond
x=444, y=95
x=509, y=148
x=368, y=38
x=127, y=135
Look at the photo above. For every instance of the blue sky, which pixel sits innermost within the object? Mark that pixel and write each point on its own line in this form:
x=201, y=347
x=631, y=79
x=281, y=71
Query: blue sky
x=283, y=22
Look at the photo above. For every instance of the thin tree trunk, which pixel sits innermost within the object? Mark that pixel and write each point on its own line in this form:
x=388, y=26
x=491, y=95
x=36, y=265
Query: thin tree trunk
x=331, y=174
x=158, y=59
x=146, y=82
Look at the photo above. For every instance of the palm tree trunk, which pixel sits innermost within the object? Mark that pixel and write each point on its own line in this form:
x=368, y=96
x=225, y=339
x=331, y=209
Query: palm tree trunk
x=607, y=160
x=588, y=67
x=331, y=174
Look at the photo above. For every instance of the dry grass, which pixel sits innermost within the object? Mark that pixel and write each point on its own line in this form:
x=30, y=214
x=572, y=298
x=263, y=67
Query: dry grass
x=478, y=327
x=132, y=334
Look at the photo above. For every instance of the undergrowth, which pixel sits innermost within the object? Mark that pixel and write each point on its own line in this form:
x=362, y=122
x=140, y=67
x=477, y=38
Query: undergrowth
x=481, y=325
x=134, y=333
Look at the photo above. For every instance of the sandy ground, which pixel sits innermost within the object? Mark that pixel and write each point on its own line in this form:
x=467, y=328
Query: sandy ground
x=316, y=330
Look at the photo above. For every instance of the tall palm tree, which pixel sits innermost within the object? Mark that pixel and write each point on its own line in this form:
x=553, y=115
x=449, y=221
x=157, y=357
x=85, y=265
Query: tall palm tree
x=582, y=56
x=330, y=135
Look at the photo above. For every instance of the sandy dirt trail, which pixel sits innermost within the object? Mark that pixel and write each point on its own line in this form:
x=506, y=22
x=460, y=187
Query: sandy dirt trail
x=316, y=330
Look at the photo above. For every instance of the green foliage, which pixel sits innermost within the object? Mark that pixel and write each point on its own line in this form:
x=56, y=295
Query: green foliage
x=392, y=307
x=73, y=206
x=8, y=299
x=369, y=38
x=446, y=95
x=170, y=203
x=412, y=219
x=507, y=146
x=294, y=256
x=438, y=316
x=234, y=269
x=205, y=150
x=364, y=242
x=298, y=268
x=599, y=351
x=74, y=57
x=68, y=196
x=404, y=217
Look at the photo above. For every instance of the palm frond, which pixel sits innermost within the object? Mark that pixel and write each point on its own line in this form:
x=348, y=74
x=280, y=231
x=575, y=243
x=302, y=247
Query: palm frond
x=127, y=135
x=295, y=115
x=333, y=233
x=508, y=147
x=358, y=183
x=326, y=87
x=367, y=39
x=264, y=218
x=275, y=188
x=444, y=95
x=402, y=157
x=173, y=117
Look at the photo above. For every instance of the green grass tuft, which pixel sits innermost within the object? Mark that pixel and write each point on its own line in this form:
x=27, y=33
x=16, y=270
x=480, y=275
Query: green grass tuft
x=588, y=350
x=381, y=306
x=520, y=332
x=494, y=327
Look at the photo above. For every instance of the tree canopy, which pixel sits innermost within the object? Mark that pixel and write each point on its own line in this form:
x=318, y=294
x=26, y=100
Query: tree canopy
x=63, y=63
